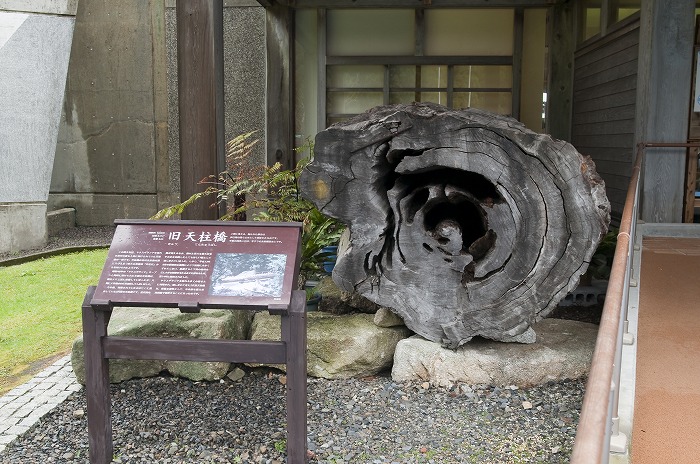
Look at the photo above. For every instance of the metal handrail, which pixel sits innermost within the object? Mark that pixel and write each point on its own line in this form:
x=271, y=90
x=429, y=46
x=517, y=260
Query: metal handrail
x=593, y=427
x=602, y=390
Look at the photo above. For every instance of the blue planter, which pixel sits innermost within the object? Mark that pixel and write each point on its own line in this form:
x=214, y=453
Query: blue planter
x=331, y=256
x=312, y=298
x=312, y=303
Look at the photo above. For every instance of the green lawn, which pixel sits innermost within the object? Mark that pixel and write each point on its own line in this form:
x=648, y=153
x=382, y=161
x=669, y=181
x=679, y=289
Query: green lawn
x=40, y=305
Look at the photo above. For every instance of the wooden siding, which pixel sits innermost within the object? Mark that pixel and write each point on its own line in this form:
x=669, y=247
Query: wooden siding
x=604, y=106
x=692, y=179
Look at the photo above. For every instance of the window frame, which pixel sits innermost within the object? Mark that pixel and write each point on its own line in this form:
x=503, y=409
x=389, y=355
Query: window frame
x=608, y=21
x=417, y=59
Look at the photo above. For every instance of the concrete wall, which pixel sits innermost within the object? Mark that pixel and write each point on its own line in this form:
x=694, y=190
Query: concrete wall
x=245, y=71
x=118, y=150
x=56, y=7
x=111, y=158
x=34, y=51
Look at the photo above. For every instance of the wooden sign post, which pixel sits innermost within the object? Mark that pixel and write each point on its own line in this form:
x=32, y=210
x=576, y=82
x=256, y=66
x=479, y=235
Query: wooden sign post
x=191, y=265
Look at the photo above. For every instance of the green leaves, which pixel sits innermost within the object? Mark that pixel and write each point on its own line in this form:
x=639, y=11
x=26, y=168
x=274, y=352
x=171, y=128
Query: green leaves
x=320, y=231
x=601, y=261
x=268, y=194
x=180, y=207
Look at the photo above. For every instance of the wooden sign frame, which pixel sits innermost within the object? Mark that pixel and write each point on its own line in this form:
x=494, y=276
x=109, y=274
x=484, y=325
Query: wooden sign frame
x=201, y=264
x=151, y=264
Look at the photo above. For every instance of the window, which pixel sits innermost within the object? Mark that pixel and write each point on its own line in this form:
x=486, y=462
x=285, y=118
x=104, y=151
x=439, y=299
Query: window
x=352, y=89
x=591, y=13
x=597, y=16
x=348, y=61
x=370, y=32
x=622, y=9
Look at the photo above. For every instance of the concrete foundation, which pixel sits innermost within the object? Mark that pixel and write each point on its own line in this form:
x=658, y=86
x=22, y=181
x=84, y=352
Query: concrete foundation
x=22, y=226
x=102, y=209
x=59, y=220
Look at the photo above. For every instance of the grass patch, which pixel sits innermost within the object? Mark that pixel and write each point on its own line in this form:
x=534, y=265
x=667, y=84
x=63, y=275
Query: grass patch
x=40, y=309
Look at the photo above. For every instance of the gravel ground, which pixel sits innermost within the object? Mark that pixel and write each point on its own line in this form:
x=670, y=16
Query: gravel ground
x=369, y=420
x=74, y=237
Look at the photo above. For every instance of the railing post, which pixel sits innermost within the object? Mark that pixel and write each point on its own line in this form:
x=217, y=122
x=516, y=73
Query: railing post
x=618, y=440
x=627, y=337
x=294, y=334
x=97, y=383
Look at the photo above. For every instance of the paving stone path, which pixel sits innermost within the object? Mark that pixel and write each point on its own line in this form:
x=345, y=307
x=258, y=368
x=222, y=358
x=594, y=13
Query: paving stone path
x=23, y=406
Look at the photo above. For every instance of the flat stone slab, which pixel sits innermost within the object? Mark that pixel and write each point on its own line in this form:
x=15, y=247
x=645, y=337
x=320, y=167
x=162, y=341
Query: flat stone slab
x=563, y=350
x=168, y=323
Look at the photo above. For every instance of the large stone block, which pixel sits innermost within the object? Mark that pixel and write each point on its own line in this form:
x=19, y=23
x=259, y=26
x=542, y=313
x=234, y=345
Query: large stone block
x=34, y=51
x=563, y=350
x=60, y=219
x=384, y=317
x=57, y=7
x=339, y=347
x=160, y=322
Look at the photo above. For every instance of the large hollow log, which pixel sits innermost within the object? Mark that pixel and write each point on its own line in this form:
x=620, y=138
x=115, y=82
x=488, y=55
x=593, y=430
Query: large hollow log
x=463, y=222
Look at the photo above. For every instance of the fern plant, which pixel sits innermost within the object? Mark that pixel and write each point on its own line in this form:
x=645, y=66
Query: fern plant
x=269, y=194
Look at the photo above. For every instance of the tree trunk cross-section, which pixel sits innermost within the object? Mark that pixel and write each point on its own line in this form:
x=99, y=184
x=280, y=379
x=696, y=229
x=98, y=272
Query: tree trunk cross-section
x=463, y=222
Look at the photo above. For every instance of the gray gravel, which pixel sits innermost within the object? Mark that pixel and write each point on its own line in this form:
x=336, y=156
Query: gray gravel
x=371, y=420
x=74, y=237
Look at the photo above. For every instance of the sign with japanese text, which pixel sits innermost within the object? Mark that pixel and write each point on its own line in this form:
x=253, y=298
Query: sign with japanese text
x=201, y=263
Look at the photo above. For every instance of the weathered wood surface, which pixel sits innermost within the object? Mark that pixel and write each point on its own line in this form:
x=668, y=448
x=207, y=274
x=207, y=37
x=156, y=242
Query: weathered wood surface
x=463, y=222
x=200, y=45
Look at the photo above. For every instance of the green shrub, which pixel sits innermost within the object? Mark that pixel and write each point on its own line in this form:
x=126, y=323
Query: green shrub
x=270, y=194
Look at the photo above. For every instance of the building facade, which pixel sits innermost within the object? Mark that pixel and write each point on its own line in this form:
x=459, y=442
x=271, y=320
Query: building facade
x=602, y=74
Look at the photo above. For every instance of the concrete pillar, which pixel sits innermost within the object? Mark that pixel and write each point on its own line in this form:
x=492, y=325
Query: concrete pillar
x=34, y=53
x=118, y=147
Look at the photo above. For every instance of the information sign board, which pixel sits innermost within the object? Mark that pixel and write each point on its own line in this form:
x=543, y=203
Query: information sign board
x=201, y=263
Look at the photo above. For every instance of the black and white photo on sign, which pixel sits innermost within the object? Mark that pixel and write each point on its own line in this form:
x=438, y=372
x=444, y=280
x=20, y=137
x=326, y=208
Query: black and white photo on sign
x=248, y=274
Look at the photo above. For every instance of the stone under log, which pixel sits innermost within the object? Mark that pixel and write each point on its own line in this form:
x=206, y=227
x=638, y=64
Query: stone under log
x=463, y=222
